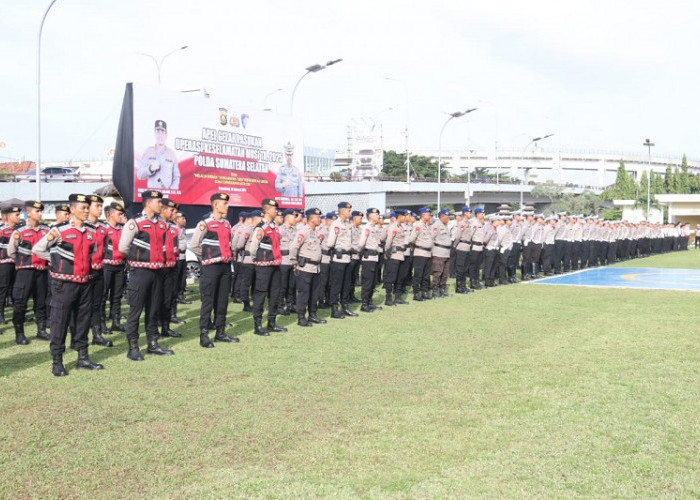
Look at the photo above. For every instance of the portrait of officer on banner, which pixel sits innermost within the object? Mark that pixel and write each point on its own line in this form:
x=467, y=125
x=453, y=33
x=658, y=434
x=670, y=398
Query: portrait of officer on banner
x=158, y=163
x=289, y=182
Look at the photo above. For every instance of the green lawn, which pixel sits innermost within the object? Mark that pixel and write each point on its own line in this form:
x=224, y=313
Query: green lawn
x=516, y=391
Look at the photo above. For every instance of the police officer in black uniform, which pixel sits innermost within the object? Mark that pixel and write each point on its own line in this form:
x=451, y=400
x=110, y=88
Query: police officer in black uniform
x=211, y=242
x=142, y=241
x=70, y=246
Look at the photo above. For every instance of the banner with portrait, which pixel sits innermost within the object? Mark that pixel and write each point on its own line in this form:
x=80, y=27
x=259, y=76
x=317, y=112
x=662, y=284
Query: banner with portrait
x=188, y=147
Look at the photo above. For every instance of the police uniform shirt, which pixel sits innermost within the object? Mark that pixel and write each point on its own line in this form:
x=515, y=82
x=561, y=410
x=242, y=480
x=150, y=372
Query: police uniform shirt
x=548, y=234
x=407, y=228
x=369, y=240
x=259, y=234
x=394, y=241
x=13, y=244
x=560, y=230
x=287, y=235
x=340, y=238
x=50, y=239
x=516, y=230
x=199, y=233
x=355, y=232
x=291, y=175
x=442, y=240
x=527, y=233
x=505, y=238
x=306, y=247
x=578, y=232
x=323, y=237
x=182, y=243
x=538, y=233
x=164, y=162
x=478, y=235
x=490, y=237
x=462, y=235
x=243, y=243
x=129, y=232
x=422, y=239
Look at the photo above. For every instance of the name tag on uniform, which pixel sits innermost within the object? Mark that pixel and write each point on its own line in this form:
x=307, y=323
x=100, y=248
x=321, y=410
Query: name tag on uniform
x=70, y=237
x=146, y=226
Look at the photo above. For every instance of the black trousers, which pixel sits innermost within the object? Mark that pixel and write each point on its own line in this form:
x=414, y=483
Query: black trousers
x=513, y=260
x=369, y=279
x=526, y=265
x=144, y=291
x=339, y=274
x=244, y=281
x=502, y=265
x=29, y=283
x=558, y=255
x=354, y=275
x=536, y=254
x=391, y=275
x=404, y=271
x=308, y=292
x=287, y=286
x=69, y=300
x=461, y=265
x=171, y=291
x=489, y=265
x=7, y=272
x=267, y=284
x=408, y=277
x=547, y=258
x=182, y=275
x=324, y=284
x=422, y=270
x=214, y=286
x=97, y=290
x=475, y=263
x=113, y=289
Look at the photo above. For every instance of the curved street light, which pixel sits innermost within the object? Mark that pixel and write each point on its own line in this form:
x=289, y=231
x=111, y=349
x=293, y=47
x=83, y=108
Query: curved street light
x=159, y=64
x=315, y=68
x=522, y=179
x=456, y=114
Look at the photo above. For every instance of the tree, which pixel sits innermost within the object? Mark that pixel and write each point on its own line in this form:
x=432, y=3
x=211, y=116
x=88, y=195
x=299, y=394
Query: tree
x=684, y=178
x=657, y=183
x=586, y=203
x=625, y=187
x=668, y=180
x=422, y=167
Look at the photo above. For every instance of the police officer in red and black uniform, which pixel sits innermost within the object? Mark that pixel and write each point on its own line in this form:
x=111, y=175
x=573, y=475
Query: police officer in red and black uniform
x=70, y=246
x=211, y=242
x=142, y=241
x=267, y=255
x=114, y=265
x=97, y=286
x=170, y=288
x=11, y=216
x=31, y=273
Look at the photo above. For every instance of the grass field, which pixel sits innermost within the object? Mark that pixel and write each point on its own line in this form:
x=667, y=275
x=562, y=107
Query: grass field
x=515, y=391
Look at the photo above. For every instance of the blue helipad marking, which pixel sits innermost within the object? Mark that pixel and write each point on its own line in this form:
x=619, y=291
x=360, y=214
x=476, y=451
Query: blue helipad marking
x=630, y=277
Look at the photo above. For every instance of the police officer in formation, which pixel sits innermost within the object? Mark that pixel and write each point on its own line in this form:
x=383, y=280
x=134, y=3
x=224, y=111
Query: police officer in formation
x=82, y=260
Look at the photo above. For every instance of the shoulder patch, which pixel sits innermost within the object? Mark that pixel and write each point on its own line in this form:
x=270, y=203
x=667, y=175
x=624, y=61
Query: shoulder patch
x=202, y=226
x=300, y=238
x=394, y=232
x=367, y=231
x=417, y=229
x=132, y=226
x=50, y=237
x=16, y=236
x=337, y=230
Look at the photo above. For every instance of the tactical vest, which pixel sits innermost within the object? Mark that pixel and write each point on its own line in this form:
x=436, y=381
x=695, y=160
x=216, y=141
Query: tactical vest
x=98, y=254
x=148, y=247
x=112, y=255
x=216, y=244
x=28, y=237
x=5, y=236
x=171, y=249
x=269, y=252
x=71, y=258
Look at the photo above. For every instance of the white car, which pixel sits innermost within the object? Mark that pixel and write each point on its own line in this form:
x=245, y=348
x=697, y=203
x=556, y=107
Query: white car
x=48, y=174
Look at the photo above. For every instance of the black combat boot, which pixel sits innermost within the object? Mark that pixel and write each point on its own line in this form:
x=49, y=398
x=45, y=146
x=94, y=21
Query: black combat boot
x=417, y=297
x=173, y=317
x=246, y=306
x=272, y=325
x=259, y=330
x=324, y=305
x=427, y=295
x=41, y=331
x=337, y=313
x=116, y=326
x=398, y=299
x=292, y=308
x=166, y=331
x=313, y=318
x=98, y=339
x=154, y=348
x=445, y=292
x=388, y=301
x=281, y=310
x=348, y=312
x=57, y=367
x=204, y=339
x=134, y=354
x=182, y=300
x=19, y=334
x=103, y=322
x=302, y=321
x=85, y=362
x=222, y=337
x=366, y=307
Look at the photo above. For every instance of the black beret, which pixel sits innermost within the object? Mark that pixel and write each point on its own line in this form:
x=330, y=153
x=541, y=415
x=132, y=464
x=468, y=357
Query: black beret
x=218, y=196
x=62, y=208
x=80, y=198
x=312, y=211
x=93, y=198
x=34, y=204
x=11, y=210
x=344, y=204
x=151, y=195
x=167, y=202
x=269, y=202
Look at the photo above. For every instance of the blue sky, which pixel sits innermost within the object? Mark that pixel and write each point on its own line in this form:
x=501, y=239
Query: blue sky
x=599, y=75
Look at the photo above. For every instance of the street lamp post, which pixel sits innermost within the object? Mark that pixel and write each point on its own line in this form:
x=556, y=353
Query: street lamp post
x=522, y=179
x=408, y=156
x=159, y=64
x=649, y=145
x=311, y=69
x=38, y=105
x=268, y=95
x=456, y=114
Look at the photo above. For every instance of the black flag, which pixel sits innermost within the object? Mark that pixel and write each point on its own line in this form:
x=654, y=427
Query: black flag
x=123, y=166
